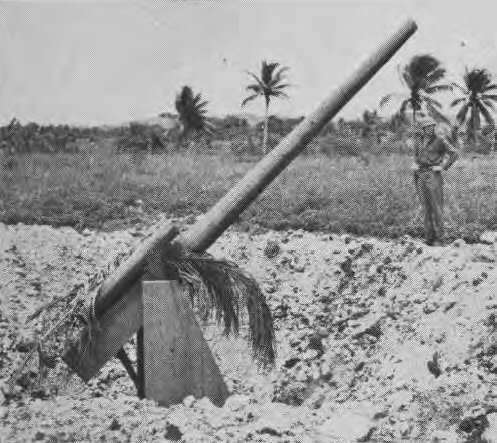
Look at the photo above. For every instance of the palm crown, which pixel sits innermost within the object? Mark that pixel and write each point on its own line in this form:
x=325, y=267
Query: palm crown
x=270, y=83
x=421, y=76
x=475, y=99
x=192, y=111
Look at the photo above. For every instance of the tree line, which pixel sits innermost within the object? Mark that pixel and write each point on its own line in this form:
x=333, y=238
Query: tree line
x=422, y=78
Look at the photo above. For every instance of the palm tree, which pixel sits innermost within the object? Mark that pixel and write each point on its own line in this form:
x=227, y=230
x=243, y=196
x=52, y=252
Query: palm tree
x=476, y=99
x=421, y=76
x=192, y=111
x=269, y=84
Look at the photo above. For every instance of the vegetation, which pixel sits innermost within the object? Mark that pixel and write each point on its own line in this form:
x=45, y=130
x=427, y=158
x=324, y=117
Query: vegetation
x=142, y=138
x=18, y=138
x=354, y=178
x=269, y=84
x=109, y=191
x=421, y=76
x=371, y=134
x=192, y=111
x=476, y=99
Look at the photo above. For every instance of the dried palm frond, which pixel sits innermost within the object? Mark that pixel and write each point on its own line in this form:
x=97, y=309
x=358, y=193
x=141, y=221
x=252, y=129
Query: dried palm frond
x=221, y=288
x=61, y=319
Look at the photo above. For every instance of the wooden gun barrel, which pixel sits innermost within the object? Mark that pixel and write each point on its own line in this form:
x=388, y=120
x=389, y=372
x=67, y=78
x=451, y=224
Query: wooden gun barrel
x=206, y=230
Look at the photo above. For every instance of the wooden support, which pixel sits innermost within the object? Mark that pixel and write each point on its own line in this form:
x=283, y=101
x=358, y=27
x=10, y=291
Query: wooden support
x=177, y=359
x=126, y=362
x=140, y=373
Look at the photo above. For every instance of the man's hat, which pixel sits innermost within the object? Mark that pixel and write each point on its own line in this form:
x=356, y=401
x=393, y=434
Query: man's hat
x=427, y=121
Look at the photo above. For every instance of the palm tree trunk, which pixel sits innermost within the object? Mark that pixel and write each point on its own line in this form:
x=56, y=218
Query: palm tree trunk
x=454, y=135
x=265, y=134
x=473, y=124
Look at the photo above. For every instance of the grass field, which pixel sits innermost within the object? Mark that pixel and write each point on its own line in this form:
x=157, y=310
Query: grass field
x=315, y=193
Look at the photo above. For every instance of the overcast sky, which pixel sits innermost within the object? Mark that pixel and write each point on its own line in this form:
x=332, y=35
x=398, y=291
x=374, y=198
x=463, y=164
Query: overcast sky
x=92, y=63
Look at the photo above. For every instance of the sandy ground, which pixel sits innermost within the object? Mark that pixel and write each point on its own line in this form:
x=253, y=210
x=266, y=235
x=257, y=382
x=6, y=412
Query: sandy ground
x=377, y=341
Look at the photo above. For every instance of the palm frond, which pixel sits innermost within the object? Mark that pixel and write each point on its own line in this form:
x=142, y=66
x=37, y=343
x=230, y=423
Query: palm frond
x=436, y=75
x=249, y=98
x=257, y=79
x=196, y=99
x=210, y=128
x=461, y=115
x=221, y=288
x=282, y=86
x=461, y=88
x=489, y=104
x=457, y=101
x=438, y=88
x=489, y=96
x=278, y=77
x=282, y=70
x=202, y=105
x=486, y=115
x=279, y=94
x=267, y=71
x=490, y=87
x=254, y=88
x=384, y=100
x=431, y=101
x=436, y=114
x=62, y=318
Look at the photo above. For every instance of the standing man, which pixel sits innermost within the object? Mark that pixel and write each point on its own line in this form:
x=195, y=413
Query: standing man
x=432, y=155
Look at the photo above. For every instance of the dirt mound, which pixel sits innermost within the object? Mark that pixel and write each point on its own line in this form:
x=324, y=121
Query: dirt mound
x=377, y=341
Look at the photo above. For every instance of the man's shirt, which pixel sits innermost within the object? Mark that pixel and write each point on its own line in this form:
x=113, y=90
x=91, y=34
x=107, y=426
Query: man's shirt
x=431, y=151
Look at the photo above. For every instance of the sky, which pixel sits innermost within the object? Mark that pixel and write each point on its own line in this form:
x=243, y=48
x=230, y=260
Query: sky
x=108, y=62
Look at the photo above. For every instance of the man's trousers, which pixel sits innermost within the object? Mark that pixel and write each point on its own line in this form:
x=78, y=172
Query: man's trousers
x=429, y=186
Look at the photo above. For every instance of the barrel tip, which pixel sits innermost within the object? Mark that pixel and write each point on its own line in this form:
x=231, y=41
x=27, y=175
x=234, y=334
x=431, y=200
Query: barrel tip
x=411, y=24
